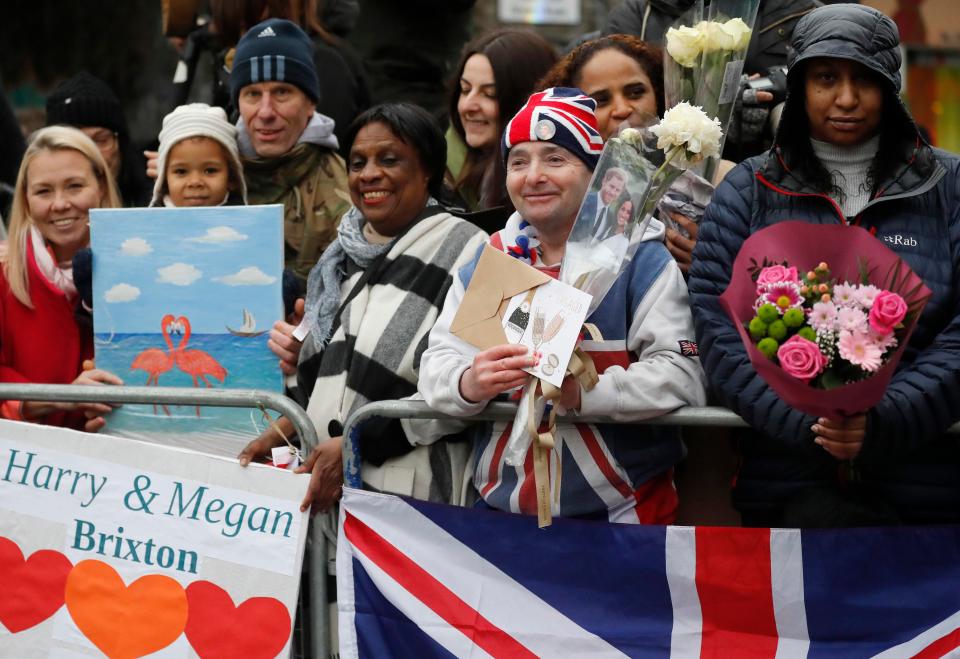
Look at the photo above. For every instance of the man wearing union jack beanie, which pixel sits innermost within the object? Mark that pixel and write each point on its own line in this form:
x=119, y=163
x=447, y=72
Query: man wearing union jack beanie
x=647, y=362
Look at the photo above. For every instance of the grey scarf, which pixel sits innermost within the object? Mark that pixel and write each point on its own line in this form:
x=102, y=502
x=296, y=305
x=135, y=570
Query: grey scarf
x=326, y=277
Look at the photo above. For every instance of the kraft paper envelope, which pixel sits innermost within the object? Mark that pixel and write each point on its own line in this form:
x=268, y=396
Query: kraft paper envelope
x=497, y=278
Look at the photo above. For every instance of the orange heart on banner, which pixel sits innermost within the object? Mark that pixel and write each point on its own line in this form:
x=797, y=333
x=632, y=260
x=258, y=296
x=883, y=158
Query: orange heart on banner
x=31, y=590
x=125, y=621
x=257, y=629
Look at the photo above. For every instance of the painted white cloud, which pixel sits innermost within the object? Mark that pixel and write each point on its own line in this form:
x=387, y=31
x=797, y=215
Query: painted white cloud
x=135, y=247
x=179, y=274
x=249, y=276
x=219, y=235
x=122, y=293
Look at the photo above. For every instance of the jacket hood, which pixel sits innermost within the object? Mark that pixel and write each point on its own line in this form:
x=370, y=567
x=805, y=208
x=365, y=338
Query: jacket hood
x=852, y=32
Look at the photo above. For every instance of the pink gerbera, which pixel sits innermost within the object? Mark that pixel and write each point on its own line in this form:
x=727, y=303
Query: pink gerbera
x=783, y=295
x=884, y=341
x=852, y=320
x=860, y=350
x=866, y=294
x=845, y=295
x=824, y=316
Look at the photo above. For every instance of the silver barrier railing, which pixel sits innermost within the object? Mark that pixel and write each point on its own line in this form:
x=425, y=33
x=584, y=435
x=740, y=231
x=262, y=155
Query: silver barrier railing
x=415, y=409
x=167, y=396
x=320, y=530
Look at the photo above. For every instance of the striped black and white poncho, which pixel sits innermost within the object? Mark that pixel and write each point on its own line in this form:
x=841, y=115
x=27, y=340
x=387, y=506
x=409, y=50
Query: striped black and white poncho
x=375, y=348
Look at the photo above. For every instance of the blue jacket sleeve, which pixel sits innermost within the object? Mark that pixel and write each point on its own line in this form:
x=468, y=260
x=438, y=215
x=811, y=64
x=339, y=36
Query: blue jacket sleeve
x=923, y=398
x=733, y=380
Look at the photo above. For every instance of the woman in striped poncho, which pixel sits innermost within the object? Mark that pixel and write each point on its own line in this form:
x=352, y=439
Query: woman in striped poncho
x=376, y=291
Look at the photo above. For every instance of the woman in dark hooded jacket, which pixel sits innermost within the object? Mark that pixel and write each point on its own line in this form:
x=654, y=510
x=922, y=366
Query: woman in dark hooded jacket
x=847, y=152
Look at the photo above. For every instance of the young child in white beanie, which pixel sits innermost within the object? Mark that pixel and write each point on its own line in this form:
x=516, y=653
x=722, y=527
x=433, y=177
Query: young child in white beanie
x=198, y=162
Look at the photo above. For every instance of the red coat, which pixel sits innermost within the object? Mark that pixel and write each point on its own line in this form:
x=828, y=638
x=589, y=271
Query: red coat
x=44, y=344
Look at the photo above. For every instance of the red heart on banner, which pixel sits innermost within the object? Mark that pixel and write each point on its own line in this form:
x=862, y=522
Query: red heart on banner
x=260, y=627
x=30, y=590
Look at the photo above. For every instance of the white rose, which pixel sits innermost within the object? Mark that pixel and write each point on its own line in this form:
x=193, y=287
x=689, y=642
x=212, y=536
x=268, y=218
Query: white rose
x=734, y=35
x=631, y=136
x=741, y=33
x=684, y=44
x=688, y=126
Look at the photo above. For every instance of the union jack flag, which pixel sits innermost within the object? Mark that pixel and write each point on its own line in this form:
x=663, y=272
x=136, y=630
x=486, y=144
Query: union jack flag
x=567, y=109
x=421, y=580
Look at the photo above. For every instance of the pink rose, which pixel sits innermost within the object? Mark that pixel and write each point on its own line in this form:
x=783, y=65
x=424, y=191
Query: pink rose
x=888, y=309
x=801, y=358
x=775, y=274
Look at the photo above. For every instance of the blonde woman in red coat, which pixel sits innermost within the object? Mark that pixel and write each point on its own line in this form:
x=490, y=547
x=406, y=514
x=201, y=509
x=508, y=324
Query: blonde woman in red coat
x=62, y=176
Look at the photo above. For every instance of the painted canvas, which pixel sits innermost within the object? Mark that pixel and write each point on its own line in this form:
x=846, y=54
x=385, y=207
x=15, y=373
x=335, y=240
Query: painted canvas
x=185, y=297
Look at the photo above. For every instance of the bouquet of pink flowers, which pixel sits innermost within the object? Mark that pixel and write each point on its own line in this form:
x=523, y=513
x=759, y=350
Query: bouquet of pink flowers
x=827, y=344
x=823, y=332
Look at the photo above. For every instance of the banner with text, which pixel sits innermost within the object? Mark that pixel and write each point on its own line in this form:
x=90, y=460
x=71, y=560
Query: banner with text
x=114, y=546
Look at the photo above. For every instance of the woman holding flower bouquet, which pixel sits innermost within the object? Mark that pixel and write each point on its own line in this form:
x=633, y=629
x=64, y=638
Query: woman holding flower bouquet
x=624, y=75
x=847, y=153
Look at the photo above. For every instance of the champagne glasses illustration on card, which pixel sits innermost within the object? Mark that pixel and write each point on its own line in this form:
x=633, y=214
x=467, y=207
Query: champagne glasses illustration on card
x=543, y=332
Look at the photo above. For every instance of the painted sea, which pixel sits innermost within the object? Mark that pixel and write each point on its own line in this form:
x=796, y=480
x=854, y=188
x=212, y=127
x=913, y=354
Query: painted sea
x=218, y=430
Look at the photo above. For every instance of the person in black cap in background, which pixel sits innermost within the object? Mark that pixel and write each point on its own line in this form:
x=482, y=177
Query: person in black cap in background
x=345, y=92
x=289, y=149
x=86, y=102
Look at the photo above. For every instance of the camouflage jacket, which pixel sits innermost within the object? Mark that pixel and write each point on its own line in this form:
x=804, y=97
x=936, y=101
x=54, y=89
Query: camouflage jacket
x=311, y=183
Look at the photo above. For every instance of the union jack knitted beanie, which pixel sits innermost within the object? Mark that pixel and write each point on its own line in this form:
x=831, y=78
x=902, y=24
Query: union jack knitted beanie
x=562, y=115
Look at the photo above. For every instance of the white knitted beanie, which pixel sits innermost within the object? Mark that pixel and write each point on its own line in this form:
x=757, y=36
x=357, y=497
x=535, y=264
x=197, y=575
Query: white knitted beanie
x=196, y=120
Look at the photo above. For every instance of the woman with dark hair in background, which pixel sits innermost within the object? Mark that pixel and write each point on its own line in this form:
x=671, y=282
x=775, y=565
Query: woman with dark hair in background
x=344, y=93
x=86, y=102
x=621, y=73
x=496, y=74
x=624, y=75
x=375, y=293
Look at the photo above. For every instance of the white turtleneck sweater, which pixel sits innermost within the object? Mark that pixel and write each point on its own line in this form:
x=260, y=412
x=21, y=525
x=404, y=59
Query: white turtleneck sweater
x=849, y=166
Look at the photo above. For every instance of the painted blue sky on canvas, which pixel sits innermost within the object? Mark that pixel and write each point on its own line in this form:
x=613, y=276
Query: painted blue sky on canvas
x=205, y=263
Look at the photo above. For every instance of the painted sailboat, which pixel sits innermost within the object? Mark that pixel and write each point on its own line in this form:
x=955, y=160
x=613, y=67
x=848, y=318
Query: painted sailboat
x=248, y=327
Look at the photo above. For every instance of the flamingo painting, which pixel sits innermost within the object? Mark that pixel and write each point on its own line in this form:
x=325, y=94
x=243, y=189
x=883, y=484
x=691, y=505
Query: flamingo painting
x=186, y=297
x=196, y=363
x=155, y=361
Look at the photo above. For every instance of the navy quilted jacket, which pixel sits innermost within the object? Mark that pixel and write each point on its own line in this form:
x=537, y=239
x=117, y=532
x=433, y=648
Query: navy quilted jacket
x=905, y=453
x=907, y=462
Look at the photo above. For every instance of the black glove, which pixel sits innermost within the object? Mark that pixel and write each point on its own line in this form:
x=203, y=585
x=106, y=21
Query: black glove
x=292, y=289
x=83, y=275
x=749, y=118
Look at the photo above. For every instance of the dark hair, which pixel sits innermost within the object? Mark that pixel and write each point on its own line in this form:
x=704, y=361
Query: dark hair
x=518, y=58
x=897, y=132
x=415, y=127
x=565, y=72
x=234, y=17
x=635, y=199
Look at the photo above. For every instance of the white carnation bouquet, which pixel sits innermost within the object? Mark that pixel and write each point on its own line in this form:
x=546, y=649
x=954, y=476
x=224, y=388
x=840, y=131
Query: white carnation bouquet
x=597, y=252
x=704, y=59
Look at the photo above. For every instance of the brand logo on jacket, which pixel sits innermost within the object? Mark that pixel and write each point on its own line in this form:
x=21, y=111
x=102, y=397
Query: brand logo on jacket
x=898, y=239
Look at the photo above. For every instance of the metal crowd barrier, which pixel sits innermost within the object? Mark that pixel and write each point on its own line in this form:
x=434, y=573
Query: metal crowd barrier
x=322, y=526
x=416, y=409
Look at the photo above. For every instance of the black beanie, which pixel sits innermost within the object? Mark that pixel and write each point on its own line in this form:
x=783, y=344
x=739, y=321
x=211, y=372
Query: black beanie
x=274, y=50
x=85, y=100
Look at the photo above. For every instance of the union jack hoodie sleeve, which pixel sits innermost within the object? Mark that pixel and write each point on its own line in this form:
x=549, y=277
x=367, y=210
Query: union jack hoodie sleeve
x=446, y=358
x=662, y=378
